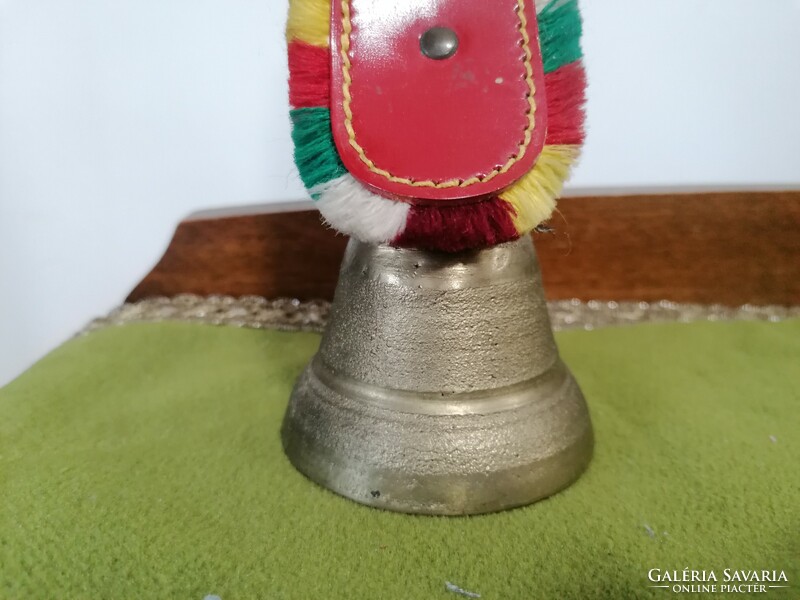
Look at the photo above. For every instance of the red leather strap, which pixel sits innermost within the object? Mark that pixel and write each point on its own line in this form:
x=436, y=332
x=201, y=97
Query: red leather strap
x=414, y=128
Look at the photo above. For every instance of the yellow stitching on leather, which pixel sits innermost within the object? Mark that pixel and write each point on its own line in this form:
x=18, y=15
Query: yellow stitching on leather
x=347, y=80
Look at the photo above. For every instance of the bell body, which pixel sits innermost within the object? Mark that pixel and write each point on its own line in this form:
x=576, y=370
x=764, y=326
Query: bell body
x=438, y=387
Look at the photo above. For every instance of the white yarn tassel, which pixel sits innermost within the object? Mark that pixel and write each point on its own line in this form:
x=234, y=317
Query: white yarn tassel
x=349, y=207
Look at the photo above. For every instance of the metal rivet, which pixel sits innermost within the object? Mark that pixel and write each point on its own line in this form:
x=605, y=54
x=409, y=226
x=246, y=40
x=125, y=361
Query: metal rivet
x=439, y=43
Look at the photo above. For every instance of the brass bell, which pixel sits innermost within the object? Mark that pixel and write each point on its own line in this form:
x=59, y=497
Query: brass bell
x=438, y=387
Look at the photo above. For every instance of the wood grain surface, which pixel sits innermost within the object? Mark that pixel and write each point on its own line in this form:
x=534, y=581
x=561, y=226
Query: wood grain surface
x=728, y=248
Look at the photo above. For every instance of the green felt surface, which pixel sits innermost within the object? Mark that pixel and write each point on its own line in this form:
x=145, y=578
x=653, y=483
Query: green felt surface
x=144, y=462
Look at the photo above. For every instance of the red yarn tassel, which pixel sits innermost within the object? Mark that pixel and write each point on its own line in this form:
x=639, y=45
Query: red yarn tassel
x=566, y=96
x=460, y=227
x=309, y=76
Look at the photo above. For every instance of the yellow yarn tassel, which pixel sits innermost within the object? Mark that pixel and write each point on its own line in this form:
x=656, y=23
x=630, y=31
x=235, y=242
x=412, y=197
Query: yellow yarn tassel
x=309, y=22
x=534, y=196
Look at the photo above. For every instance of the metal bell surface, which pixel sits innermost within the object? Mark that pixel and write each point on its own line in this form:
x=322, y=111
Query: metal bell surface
x=437, y=387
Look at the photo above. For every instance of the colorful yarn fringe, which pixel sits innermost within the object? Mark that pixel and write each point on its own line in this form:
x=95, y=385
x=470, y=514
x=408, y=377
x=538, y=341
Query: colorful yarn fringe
x=352, y=209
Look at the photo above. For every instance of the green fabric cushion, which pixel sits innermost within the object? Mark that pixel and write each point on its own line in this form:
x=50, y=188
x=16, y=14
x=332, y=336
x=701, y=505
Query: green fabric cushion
x=145, y=462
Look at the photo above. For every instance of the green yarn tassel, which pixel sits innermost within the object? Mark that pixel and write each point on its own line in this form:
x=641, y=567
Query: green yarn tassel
x=314, y=150
x=560, y=30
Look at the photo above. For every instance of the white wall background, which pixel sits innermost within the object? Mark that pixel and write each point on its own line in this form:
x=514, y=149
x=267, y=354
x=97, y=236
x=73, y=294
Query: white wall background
x=119, y=118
